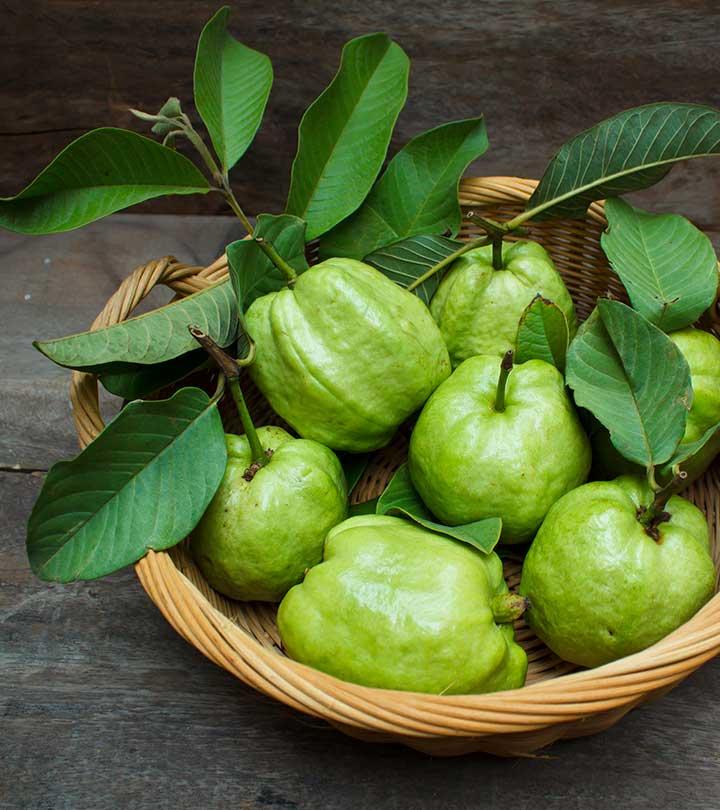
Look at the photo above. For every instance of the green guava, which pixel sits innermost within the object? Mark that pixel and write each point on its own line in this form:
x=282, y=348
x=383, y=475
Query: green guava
x=702, y=352
x=257, y=537
x=396, y=606
x=478, y=308
x=470, y=459
x=601, y=585
x=346, y=355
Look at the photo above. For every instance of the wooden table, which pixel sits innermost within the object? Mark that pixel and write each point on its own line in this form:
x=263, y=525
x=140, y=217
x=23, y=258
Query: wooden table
x=104, y=706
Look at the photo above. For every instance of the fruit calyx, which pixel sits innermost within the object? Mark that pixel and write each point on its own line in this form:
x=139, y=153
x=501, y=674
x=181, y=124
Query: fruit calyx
x=507, y=607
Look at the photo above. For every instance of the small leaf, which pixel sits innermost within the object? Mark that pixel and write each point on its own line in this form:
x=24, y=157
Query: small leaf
x=252, y=273
x=135, y=381
x=628, y=152
x=633, y=379
x=154, y=337
x=406, y=261
x=667, y=265
x=345, y=132
x=144, y=483
x=417, y=194
x=686, y=451
x=232, y=85
x=354, y=465
x=401, y=498
x=542, y=334
x=101, y=172
x=363, y=508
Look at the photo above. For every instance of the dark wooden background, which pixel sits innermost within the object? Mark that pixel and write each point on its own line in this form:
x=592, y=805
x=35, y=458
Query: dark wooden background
x=102, y=705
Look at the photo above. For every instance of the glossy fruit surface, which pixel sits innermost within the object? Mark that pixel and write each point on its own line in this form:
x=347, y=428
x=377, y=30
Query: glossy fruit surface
x=257, y=538
x=600, y=587
x=398, y=607
x=346, y=355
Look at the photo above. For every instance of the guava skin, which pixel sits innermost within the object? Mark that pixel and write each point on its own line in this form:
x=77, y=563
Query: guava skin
x=702, y=351
x=395, y=606
x=346, y=355
x=469, y=461
x=600, y=587
x=257, y=538
x=478, y=308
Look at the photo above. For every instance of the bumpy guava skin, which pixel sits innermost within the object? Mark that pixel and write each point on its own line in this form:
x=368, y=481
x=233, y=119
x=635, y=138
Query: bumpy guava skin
x=346, y=355
x=257, y=538
x=470, y=461
x=478, y=308
x=395, y=606
x=600, y=587
x=702, y=352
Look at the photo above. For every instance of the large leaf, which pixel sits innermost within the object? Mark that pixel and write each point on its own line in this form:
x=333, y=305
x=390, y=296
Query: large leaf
x=401, y=498
x=252, y=273
x=542, y=333
x=232, y=85
x=667, y=265
x=142, y=484
x=344, y=134
x=417, y=194
x=135, y=381
x=154, y=337
x=101, y=172
x=634, y=379
x=628, y=152
x=406, y=261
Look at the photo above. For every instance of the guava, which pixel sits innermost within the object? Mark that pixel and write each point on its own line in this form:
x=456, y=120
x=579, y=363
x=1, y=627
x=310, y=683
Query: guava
x=396, y=606
x=498, y=443
x=258, y=536
x=345, y=355
x=478, y=308
x=604, y=582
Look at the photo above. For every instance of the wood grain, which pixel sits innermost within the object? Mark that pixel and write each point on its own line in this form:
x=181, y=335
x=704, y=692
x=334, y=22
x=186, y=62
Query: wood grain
x=540, y=71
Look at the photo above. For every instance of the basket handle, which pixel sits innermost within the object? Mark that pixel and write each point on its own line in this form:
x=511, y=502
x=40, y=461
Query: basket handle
x=184, y=279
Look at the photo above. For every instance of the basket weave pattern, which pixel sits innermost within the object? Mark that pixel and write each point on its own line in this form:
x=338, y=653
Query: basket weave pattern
x=558, y=701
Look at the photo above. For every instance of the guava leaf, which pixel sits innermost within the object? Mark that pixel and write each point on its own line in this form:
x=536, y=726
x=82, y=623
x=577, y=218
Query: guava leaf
x=135, y=381
x=628, y=152
x=151, y=338
x=406, y=261
x=345, y=132
x=633, y=379
x=401, y=498
x=667, y=265
x=686, y=450
x=417, y=193
x=542, y=333
x=354, y=465
x=144, y=483
x=232, y=85
x=101, y=172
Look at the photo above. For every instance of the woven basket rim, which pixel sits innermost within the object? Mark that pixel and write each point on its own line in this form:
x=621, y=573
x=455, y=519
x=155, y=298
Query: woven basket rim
x=398, y=715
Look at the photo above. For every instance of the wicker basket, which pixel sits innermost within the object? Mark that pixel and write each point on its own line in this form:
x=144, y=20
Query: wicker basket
x=558, y=701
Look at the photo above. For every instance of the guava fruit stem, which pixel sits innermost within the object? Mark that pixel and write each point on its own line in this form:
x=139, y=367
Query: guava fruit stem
x=507, y=607
x=652, y=516
x=448, y=260
x=231, y=370
x=497, y=253
x=505, y=369
x=277, y=260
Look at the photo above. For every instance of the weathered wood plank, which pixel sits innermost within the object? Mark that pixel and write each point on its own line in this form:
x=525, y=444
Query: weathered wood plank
x=104, y=706
x=539, y=71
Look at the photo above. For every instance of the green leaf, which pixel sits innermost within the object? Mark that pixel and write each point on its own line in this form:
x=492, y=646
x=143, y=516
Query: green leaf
x=144, y=483
x=363, y=508
x=401, y=498
x=101, y=172
x=667, y=265
x=354, y=465
x=633, y=379
x=406, y=261
x=417, y=194
x=345, y=132
x=154, y=337
x=630, y=151
x=135, y=381
x=686, y=450
x=542, y=333
x=232, y=85
x=252, y=273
